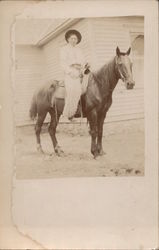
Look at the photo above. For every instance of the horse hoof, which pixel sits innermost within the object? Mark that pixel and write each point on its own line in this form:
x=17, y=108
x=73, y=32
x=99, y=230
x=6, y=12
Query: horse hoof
x=95, y=154
x=40, y=150
x=59, y=151
x=102, y=153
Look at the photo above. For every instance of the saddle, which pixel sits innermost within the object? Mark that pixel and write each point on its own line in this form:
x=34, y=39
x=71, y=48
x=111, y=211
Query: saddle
x=60, y=88
x=60, y=94
x=60, y=91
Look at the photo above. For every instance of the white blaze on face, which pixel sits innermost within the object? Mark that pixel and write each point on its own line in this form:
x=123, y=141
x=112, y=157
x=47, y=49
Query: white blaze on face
x=126, y=68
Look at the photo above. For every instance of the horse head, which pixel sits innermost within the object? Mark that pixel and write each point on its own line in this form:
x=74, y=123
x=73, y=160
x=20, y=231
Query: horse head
x=124, y=67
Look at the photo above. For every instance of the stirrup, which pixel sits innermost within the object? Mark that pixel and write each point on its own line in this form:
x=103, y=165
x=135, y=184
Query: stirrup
x=70, y=118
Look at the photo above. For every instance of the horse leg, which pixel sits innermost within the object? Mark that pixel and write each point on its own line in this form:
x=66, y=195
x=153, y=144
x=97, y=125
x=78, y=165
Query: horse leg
x=39, y=123
x=100, y=134
x=101, y=117
x=52, y=131
x=92, y=118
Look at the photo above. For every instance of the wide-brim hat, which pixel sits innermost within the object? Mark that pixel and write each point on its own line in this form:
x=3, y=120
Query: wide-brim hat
x=73, y=32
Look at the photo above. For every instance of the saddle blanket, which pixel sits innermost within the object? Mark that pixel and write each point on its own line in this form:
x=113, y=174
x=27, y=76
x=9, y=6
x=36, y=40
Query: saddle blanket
x=60, y=88
x=60, y=92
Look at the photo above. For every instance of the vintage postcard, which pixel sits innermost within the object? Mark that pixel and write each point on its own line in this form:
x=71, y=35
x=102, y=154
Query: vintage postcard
x=80, y=155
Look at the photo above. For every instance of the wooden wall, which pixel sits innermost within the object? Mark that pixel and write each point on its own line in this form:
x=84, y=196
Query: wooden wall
x=28, y=76
x=100, y=37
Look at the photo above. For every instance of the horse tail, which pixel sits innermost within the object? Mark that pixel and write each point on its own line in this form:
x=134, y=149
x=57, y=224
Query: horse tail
x=33, y=108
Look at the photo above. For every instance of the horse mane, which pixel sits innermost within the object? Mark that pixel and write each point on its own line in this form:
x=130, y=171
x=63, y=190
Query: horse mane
x=106, y=74
x=101, y=84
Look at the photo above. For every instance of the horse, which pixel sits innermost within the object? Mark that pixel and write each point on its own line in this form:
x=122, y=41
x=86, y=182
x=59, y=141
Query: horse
x=96, y=101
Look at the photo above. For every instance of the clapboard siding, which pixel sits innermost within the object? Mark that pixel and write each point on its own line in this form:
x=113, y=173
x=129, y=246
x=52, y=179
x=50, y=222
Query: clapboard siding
x=107, y=34
x=100, y=37
x=52, y=50
x=28, y=76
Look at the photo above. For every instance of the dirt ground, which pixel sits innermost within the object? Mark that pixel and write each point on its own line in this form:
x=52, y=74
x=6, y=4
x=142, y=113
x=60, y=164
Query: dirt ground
x=123, y=143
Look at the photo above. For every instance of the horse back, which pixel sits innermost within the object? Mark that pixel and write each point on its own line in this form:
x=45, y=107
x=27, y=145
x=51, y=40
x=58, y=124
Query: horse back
x=44, y=93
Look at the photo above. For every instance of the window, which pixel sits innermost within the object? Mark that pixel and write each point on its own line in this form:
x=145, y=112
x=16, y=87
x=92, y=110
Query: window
x=137, y=44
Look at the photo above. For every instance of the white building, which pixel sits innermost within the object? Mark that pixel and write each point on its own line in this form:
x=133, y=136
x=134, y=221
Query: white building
x=37, y=58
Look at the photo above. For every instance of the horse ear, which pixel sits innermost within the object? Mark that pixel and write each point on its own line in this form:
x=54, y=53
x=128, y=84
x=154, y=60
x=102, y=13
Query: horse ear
x=128, y=52
x=118, y=51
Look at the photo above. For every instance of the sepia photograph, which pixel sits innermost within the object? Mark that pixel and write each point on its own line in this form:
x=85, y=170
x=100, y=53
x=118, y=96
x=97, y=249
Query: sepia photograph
x=79, y=124
x=82, y=81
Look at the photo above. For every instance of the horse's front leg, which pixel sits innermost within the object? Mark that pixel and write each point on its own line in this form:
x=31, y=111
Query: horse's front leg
x=100, y=134
x=101, y=117
x=92, y=118
x=52, y=132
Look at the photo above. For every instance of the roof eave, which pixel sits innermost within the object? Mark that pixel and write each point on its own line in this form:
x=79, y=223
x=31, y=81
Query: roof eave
x=57, y=31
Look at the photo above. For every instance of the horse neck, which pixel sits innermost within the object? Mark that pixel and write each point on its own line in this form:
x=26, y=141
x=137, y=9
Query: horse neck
x=108, y=77
x=112, y=76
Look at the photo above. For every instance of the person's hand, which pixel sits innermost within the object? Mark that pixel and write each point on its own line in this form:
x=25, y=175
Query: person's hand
x=86, y=68
x=87, y=65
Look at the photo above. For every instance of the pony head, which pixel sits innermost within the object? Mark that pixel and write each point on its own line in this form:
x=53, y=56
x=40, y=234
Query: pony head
x=124, y=67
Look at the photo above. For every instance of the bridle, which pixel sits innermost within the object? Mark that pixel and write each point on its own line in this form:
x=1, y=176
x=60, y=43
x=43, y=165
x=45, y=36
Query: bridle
x=118, y=71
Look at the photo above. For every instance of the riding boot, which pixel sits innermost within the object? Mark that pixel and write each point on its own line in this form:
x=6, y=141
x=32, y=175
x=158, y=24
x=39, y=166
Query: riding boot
x=71, y=119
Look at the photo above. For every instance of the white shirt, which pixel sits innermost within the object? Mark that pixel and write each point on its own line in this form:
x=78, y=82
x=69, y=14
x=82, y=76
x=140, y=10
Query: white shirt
x=71, y=55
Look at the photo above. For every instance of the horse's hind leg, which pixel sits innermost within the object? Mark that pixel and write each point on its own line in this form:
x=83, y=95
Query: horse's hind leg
x=52, y=131
x=39, y=123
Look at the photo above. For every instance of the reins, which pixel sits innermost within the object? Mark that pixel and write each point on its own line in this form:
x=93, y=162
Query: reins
x=119, y=71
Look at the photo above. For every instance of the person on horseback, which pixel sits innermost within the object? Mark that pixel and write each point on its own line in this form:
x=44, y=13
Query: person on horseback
x=72, y=63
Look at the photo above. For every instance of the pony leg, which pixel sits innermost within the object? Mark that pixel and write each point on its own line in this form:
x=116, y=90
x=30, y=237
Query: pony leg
x=100, y=134
x=39, y=123
x=52, y=131
x=92, y=118
x=101, y=117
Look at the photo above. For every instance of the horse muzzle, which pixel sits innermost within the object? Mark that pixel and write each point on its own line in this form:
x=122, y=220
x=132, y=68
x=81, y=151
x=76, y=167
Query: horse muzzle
x=130, y=84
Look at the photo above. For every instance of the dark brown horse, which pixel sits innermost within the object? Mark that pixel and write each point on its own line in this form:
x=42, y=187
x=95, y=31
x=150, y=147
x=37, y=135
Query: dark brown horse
x=95, y=102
